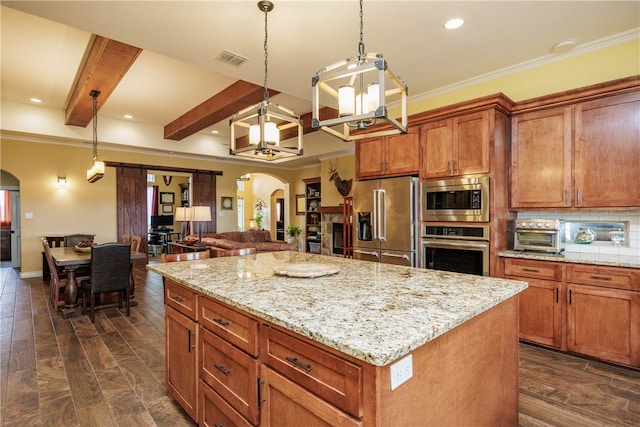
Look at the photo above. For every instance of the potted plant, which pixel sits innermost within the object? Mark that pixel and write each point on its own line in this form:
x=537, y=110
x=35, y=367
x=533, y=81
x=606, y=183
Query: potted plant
x=258, y=218
x=293, y=231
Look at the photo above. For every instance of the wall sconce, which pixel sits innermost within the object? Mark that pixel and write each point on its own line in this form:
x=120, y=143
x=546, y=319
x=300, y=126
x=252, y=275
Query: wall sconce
x=62, y=181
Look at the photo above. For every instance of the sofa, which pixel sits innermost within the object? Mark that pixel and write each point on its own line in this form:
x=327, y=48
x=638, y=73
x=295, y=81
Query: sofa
x=260, y=239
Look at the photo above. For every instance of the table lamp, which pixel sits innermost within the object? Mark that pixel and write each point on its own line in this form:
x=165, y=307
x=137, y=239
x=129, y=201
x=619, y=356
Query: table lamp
x=183, y=214
x=200, y=214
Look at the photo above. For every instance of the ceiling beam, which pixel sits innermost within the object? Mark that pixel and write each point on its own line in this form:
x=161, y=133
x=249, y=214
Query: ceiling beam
x=104, y=65
x=221, y=106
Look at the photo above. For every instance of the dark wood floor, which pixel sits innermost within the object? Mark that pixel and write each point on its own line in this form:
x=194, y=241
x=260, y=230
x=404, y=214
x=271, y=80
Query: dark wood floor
x=71, y=372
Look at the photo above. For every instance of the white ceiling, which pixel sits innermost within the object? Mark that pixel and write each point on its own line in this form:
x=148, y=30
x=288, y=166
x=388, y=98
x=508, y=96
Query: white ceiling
x=43, y=43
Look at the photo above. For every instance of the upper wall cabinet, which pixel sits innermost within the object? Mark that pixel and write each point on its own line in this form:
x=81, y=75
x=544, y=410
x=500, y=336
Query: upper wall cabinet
x=584, y=155
x=393, y=155
x=455, y=146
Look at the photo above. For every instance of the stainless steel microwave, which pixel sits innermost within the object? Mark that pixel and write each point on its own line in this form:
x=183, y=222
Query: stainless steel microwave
x=461, y=199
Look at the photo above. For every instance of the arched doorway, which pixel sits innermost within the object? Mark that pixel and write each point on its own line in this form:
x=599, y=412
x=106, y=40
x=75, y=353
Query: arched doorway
x=268, y=194
x=9, y=219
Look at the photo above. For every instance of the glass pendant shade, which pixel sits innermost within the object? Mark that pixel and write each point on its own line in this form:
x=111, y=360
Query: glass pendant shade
x=346, y=102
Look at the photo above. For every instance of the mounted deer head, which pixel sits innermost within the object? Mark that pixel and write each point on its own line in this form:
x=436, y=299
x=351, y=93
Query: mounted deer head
x=343, y=186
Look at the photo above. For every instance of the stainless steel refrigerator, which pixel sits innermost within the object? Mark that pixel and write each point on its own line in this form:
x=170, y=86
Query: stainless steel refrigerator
x=386, y=220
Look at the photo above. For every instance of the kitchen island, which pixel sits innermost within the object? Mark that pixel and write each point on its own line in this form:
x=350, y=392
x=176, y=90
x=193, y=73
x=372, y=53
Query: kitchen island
x=372, y=344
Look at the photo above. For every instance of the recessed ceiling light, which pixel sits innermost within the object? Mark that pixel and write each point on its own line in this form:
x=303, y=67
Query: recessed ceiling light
x=128, y=116
x=564, y=46
x=36, y=100
x=454, y=23
x=214, y=131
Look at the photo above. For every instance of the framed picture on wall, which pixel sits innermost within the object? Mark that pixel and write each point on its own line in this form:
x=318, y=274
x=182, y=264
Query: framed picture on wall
x=300, y=204
x=226, y=203
x=167, y=209
x=167, y=198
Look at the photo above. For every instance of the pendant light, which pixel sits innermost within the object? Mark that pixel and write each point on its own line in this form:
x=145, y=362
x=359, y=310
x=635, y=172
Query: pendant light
x=361, y=88
x=264, y=120
x=97, y=170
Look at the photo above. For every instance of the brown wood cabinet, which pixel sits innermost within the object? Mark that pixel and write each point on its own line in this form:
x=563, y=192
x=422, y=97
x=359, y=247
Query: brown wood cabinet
x=393, y=155
x=583, y=155
x=456, y=146
x=581, y=308
x=181, y=338
x=541, y=306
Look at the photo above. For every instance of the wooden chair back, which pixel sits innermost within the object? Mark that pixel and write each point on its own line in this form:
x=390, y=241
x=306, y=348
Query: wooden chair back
x=73, y=239
x=126, y=238
x=135, y=243
x=55, y=282
x=235, y=252
x=184, y=256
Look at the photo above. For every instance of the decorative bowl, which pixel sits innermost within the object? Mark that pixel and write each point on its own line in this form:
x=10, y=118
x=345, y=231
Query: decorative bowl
x=82, y=249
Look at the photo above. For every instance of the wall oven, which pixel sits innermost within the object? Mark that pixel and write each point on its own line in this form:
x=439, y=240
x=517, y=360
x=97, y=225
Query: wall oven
x=460, y=200
x=461, y=249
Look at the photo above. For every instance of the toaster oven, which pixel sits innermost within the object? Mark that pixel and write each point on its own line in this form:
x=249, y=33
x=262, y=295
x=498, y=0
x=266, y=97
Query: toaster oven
x=539, y=235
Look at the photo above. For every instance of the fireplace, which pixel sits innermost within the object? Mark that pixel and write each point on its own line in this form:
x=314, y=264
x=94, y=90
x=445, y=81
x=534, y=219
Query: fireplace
x=337, y=238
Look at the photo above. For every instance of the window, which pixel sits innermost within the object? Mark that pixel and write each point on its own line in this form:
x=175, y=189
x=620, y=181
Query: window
x=240, y=214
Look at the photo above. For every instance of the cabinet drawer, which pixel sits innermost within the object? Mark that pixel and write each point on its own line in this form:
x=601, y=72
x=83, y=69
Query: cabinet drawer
x=180, y=298
x=231, y=373
x=609, y=277
x=533, y=269
x=234, y=327
x=214, y=411
x=334, y=379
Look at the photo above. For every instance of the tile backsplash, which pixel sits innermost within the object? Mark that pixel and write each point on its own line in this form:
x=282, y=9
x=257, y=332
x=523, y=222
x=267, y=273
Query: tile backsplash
x=630, y=219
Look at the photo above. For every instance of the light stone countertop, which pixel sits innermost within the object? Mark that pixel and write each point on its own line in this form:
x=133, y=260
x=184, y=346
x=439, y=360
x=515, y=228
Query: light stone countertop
x=578, y=258
x=374, y=312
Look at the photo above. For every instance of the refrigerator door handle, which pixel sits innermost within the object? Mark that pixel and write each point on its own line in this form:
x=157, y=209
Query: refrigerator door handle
x=382, y=215
x=372, y=253
x=404, y=256
x=375, y=214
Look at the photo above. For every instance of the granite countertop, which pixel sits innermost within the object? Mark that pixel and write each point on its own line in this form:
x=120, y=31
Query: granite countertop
x=578, y=257
x=374, y=312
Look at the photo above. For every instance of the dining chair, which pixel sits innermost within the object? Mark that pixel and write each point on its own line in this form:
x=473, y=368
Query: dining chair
x=135, y=242
x=57, y=281
x=184, y=256
x=73, y=239
x=235, y=252
x=126, y=238
x=110, y=270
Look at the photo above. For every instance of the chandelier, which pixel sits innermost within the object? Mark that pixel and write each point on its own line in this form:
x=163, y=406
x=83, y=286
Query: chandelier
x=362, y=86
x=264, y=120
x=97, y=170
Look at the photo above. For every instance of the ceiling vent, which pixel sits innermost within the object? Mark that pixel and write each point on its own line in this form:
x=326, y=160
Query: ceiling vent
x=231, y=58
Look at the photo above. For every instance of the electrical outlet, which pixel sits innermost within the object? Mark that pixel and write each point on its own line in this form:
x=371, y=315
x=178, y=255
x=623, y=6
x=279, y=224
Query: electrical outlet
x=401, y=371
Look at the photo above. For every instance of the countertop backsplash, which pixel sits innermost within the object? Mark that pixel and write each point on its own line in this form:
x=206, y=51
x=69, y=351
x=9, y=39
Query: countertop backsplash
x=601, y=222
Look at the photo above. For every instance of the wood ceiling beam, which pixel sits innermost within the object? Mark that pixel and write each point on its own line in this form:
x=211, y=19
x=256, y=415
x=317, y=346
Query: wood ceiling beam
x=232, y=99
x=104, y=65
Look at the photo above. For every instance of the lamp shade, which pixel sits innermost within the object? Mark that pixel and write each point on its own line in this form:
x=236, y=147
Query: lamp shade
x=183, y=214
x=201, y=213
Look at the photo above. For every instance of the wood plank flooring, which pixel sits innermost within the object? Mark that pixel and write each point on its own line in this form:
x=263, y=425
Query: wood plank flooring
x=70, y=372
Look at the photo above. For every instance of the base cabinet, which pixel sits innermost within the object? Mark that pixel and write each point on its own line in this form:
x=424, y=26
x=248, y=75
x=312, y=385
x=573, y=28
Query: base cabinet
x=182, y=360
x=585, y=309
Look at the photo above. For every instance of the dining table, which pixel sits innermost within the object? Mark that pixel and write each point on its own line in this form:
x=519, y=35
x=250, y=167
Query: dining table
x=71, y=259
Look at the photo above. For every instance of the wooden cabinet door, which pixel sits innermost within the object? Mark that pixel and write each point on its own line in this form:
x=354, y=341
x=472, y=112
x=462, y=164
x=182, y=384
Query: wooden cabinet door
x=604, y=323
x=370, y=157
x=607, y=152
x=181, y=336
x=541, y=309
x=470, y=150
x=436, y=146
x=403, y=153
x=284, y=403
x=541, y=159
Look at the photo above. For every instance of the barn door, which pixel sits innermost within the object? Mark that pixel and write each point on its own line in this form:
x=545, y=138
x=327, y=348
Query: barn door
x=203, y=193
x=131, y=195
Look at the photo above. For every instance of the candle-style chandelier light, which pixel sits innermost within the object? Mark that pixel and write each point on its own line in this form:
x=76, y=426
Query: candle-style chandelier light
x=97, y=170
x=363, y=86
x=265, y=120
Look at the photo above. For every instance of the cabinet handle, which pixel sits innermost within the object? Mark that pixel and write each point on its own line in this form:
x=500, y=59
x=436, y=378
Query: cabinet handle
x=531, y=270
x=570, y=296
x=190, y=346
x=455, y=166
x=449, y=166
x=218, y=425
x=577, y=197
x=557, y=296
x=260, y=400
x=178, y=298
x=220, y=368
x=607, y=278
x=566, y=197
x=294, y=361
x=221, y=322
